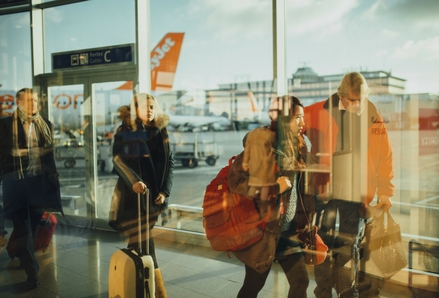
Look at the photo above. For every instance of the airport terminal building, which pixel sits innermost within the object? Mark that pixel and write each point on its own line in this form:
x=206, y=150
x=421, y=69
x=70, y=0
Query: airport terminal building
x=214, y=70
x=310, y=87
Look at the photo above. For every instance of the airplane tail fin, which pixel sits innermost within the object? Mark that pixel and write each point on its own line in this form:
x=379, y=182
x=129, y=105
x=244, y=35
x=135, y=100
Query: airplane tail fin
x=128, y=85
x=253, y=103
x=164, y=60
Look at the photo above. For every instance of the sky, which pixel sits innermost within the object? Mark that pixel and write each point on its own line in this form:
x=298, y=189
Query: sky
x=228, y=41
x=231, y=41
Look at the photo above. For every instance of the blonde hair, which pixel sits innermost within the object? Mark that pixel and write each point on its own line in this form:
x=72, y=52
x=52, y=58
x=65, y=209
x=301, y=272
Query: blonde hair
x=355, y=83
x=135, y=103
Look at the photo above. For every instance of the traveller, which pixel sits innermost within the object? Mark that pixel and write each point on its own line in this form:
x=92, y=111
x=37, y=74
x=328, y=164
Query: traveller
x=269, y=174
x=347, y=132
x=143, y=159
x=30, y=179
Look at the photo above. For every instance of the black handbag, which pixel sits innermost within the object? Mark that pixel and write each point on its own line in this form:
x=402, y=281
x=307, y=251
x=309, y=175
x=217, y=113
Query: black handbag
x=385, y=244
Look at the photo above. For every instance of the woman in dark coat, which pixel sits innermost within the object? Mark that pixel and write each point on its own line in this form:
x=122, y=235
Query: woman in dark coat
x=142, y=159
x=269, y=173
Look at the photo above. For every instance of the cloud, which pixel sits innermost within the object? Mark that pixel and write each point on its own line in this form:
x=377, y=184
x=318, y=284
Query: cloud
x=382, y=53
x=54, y=15
x=415, y=13
x=387, y=33
x=316, y=16
x=232, y=19
x=416, y=10
x=423, y=50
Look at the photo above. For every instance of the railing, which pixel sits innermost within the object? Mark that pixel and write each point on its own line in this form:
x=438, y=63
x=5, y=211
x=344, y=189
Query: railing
x=185, y=225
x=177, y=212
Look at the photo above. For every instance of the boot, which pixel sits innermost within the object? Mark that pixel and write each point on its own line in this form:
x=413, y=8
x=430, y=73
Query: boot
x=160, y=291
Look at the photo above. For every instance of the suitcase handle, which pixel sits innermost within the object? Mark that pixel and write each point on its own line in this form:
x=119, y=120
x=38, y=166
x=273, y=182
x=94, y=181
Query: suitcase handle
x=139, y=223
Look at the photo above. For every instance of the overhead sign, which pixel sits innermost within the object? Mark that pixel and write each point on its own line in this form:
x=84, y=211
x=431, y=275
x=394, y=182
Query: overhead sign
x=5, y=3
x=123, y=54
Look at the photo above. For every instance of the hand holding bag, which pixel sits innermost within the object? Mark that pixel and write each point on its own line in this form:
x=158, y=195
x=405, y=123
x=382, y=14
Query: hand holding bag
x=385, y=244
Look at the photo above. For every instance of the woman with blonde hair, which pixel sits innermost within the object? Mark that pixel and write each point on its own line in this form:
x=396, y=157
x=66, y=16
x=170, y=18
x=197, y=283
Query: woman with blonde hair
x=142, y=159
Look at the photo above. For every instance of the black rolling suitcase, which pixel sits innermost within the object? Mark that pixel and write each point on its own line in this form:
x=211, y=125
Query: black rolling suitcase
x=131, y=272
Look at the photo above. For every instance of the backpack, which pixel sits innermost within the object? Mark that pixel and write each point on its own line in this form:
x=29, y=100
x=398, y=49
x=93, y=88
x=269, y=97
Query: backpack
x=231, y=221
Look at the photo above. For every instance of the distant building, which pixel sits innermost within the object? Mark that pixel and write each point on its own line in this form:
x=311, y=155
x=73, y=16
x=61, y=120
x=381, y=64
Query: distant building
x=309, y=86
x=235, y=101
x=306, y=84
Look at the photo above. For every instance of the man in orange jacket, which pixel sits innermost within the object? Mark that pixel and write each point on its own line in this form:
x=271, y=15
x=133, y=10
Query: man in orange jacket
x=349, y=139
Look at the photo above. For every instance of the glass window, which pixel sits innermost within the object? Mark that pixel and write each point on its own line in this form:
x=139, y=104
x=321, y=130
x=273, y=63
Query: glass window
x=218, y=91
x=393, y=47
x=15, y=58
x=84, y=25
x=212, y=73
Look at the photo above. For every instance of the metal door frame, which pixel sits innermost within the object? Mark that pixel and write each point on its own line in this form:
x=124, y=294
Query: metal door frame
x=87, y=78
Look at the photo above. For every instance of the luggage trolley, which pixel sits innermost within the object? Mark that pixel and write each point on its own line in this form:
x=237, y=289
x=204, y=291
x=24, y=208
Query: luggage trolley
x=190, y=152
x=69, y=153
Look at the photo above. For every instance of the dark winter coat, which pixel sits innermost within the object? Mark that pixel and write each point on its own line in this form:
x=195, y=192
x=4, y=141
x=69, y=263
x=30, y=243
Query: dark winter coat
x=50, y=175
x=142, y=155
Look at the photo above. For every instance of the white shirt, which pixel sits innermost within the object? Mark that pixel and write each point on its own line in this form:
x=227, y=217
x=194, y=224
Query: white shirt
x=34, y=167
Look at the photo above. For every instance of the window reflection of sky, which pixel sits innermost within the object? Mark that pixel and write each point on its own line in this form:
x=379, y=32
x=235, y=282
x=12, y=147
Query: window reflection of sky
x=226, y=41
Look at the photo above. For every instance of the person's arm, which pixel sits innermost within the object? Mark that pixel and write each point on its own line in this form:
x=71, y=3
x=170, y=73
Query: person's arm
x=263, y=182
x=385, y=174
x=169, y=174
x=129, y=176
x=167, y=183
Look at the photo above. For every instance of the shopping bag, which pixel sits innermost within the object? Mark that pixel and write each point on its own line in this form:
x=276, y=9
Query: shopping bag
x=313, y=247
x=385, y=244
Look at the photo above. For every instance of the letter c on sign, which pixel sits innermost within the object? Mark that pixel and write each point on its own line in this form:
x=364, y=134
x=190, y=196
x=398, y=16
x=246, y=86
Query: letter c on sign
x=105, y=56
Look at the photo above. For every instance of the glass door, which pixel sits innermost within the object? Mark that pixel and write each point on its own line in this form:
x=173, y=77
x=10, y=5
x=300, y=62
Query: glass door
x=69, y=109
x=107, y=98
x=83, y=110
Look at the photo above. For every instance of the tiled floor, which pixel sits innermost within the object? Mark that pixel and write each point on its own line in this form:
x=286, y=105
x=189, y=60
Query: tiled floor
x=76, y=265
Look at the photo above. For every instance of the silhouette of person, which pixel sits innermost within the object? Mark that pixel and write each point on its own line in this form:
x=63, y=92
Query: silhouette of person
x=30, y=178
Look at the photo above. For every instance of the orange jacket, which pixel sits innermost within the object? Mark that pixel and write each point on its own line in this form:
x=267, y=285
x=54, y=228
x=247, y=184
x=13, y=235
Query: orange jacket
x=320, y=126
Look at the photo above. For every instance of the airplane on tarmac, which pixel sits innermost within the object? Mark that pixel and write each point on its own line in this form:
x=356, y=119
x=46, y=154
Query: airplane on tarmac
x=189, y=118
x=242, y=107
x=191, y=123
x=259, y=116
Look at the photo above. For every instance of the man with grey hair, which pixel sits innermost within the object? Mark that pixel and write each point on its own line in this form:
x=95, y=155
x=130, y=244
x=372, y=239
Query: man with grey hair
x=29, y=176
x=348, y=137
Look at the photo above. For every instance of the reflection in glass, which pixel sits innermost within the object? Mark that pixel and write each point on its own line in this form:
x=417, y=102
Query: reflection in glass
x=107, y=98
x=66, y=111
x=77, y=26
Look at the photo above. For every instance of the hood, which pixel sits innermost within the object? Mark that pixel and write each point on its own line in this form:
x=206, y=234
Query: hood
x=125, y=115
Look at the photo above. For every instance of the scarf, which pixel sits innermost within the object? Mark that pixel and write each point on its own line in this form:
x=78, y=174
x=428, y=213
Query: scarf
x=42, y=130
